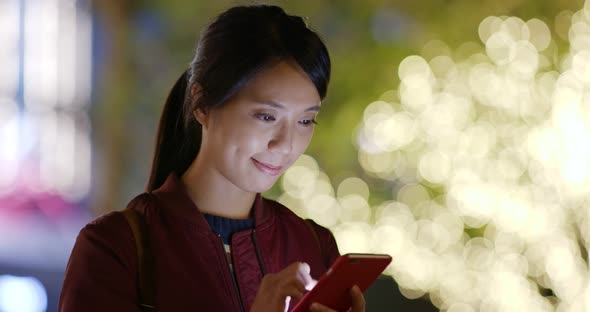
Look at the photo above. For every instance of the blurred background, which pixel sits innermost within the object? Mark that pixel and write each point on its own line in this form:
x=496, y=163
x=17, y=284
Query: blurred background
x=455, y=137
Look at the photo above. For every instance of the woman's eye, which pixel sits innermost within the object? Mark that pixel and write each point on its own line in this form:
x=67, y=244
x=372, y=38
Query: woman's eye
x=309, y=122
x=265, y=117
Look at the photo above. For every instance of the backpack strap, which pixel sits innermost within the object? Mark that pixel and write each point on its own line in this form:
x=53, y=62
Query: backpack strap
x=145, y=265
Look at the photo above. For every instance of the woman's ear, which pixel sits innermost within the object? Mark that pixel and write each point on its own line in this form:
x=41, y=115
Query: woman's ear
x=200, y=114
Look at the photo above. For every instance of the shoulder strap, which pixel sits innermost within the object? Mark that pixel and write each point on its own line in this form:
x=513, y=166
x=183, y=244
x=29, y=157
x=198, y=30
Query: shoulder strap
x=309, y=223
x=145, y=266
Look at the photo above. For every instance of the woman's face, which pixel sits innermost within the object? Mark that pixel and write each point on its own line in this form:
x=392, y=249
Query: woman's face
x=263, y=129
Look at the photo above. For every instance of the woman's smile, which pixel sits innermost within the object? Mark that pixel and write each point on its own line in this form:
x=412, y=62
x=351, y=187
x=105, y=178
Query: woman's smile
x=266, y=168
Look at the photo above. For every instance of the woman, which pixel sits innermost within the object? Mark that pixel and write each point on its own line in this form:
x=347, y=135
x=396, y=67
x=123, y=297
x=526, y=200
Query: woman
x=238, y=118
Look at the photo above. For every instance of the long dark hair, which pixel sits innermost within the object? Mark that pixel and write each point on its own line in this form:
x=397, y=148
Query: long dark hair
x=239, y=43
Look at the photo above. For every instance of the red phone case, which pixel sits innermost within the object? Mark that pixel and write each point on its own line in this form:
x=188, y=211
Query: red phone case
x=333, y=288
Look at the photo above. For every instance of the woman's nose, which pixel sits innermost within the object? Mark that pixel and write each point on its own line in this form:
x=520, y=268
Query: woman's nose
x=282, y=140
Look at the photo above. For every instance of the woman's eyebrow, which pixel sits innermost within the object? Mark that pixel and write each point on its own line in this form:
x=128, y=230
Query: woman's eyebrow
x=273, y=104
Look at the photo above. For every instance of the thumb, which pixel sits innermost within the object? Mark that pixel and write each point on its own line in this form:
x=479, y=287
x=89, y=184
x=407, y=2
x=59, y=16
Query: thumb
x=358, y=300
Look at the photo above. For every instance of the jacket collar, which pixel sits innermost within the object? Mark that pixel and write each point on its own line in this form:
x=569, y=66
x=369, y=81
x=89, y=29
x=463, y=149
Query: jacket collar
x=173, y=198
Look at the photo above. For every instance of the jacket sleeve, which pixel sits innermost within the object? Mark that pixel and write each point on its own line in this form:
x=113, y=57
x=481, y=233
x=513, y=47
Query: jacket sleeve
x=328, y=244
x=101, y=272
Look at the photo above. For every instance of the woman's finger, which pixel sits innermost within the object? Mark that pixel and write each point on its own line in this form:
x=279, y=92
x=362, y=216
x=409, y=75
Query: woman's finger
x=292, y=276
x=295, y=291
x=316, y=307
x=303, y=273
x=295, y=283
x=358, y=300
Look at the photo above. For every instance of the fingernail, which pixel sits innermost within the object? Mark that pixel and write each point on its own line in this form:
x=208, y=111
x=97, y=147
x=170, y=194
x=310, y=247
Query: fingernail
x=306, y=267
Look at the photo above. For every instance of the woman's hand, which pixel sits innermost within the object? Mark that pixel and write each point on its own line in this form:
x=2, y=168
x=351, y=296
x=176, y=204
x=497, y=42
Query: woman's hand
x=276, y=288
x=358, y=302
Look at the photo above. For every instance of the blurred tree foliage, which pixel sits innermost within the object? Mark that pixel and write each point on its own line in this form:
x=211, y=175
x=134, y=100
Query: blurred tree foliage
x=143, y=46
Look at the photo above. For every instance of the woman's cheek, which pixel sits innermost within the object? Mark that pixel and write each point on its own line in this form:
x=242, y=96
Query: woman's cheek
x=256, y=138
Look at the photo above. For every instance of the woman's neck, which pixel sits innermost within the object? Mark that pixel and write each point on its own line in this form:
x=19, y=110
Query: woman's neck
x=213, y=194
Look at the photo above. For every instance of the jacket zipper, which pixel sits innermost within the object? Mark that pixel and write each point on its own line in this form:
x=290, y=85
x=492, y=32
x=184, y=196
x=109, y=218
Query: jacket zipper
x=258, y=254
x=233, y=276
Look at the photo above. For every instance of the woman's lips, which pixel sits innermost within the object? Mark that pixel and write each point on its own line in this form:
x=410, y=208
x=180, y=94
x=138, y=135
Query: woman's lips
x=266, y=168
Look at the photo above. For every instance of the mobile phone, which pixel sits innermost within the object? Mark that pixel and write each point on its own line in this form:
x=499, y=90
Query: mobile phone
x=333, y=288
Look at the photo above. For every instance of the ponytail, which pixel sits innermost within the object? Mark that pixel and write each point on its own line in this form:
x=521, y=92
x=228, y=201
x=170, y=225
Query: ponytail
x=178, y=138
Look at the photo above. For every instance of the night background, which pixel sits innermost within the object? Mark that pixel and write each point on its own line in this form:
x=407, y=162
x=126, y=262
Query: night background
x=455, y=137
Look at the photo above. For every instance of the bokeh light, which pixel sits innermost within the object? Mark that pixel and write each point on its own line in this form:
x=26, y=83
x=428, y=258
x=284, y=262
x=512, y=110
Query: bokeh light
x=490, y=148
x=22, y=294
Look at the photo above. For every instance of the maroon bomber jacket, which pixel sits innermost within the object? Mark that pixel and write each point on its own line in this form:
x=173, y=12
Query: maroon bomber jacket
x=191, y=269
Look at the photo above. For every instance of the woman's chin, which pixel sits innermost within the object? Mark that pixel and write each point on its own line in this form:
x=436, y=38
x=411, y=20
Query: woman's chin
x=260, y=186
